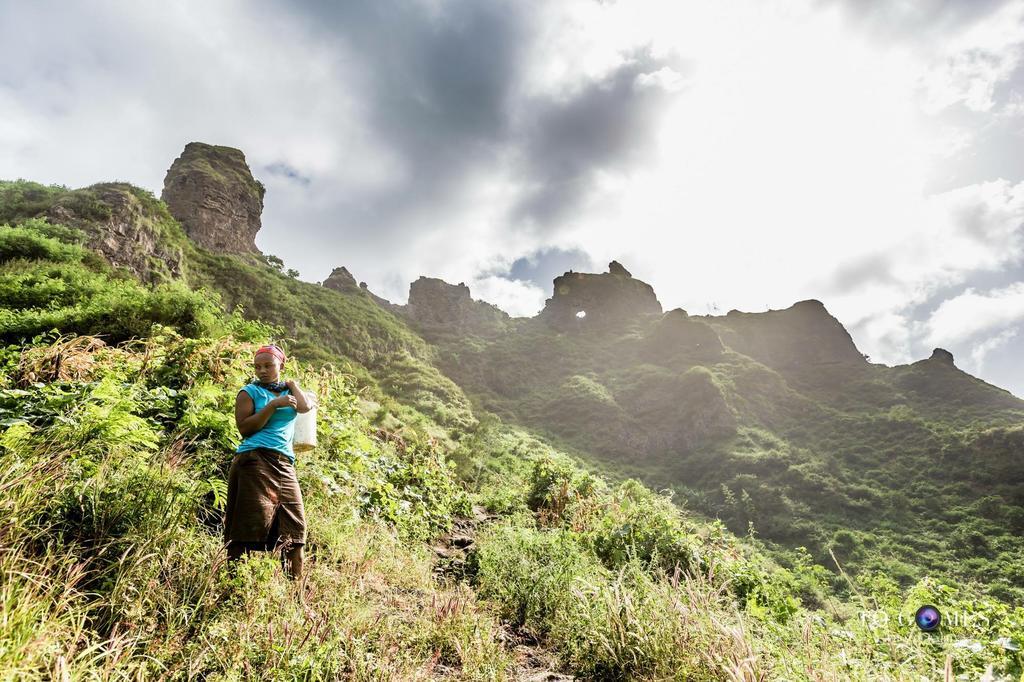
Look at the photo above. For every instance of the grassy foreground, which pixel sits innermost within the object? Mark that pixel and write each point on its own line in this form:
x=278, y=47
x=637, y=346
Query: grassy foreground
x=112, y=480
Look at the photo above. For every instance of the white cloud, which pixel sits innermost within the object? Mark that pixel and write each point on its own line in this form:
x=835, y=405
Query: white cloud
x=884, y=336
x=516, y=297
x=1014, y=106
x=946, y=240
x=116, y=90
x=981, y=351
x=664, y=78
x=970, y=64
x=974, y=314
x=776, y=169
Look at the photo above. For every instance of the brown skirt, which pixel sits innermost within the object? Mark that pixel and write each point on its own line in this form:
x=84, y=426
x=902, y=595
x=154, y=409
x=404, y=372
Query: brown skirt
x=264, y=503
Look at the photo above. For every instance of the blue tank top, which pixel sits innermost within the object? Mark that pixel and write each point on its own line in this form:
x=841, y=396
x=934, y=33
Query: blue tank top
x=279, y=430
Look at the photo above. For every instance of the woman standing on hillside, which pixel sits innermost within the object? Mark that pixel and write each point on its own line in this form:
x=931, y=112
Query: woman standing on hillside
x=264, y=506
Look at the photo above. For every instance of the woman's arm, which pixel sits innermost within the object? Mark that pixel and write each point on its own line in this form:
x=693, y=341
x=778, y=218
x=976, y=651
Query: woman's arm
x=302, y=403
x=248, y=420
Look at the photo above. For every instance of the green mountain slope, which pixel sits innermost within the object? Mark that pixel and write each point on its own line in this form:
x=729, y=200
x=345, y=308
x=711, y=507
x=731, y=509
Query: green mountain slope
x=113, y=456
x=773, y=421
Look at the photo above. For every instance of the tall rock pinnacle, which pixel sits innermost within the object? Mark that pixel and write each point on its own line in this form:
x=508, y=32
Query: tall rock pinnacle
x=212, y=193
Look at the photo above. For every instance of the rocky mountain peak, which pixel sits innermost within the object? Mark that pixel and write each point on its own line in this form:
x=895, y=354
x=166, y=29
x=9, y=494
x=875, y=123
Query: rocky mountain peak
x=437, y=305
x=601, y=299
x=805, y=333
x=615, y=268
x=943, y=356
x=211, y=191
x=341, y=280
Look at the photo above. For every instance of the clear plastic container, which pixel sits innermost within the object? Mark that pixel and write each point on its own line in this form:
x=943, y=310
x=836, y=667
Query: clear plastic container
x=305, y=427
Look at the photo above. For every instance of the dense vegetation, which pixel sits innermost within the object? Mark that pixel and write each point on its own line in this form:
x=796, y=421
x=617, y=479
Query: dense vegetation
x=908, y=471
x=113, y=454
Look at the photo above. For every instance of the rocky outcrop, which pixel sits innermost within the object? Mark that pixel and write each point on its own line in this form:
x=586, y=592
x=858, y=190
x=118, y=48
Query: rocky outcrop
x=598, y=300
x=124, y=224
x=342, y=280
x=437, y=306
x=616, y=268
x=803, y=334
x=936, y=380
x=212, y=193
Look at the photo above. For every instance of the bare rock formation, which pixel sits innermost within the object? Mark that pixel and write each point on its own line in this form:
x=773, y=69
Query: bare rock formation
x=124, y=224
x=342, y=280
x=437, y=306
x=590, y=300
x=212, y=193
x=615, y=268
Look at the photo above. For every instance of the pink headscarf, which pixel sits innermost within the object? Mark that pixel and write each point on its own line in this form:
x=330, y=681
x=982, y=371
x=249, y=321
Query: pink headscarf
x=273, y=350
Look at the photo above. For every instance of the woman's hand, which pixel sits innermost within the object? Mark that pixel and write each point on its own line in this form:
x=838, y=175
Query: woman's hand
x=302, y=401
x=284, y=401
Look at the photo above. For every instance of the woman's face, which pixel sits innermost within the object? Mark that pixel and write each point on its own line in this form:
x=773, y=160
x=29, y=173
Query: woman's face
x=267, y=367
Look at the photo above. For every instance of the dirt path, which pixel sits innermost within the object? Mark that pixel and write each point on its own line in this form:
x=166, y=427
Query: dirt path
x=534, y=663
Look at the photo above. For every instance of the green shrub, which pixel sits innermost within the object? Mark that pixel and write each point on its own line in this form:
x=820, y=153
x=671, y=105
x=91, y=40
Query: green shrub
x=74, y=299
x=556, y=486
x=30, y=244
x=637, y=525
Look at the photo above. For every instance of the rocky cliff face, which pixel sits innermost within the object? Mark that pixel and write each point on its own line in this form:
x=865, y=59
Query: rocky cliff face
x=588, y=300
x=435, y=306
x=124, y=224
x=212, y=193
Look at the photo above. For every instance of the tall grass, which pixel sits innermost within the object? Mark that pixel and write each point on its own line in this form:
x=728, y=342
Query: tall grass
x=625, y=586
x=112, y=463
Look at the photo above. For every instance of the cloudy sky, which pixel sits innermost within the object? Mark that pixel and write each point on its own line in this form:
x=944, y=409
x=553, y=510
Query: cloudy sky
x=734, y=154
